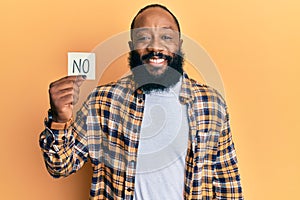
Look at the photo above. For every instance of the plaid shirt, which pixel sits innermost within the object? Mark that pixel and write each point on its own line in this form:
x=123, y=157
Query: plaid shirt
x=106, y=130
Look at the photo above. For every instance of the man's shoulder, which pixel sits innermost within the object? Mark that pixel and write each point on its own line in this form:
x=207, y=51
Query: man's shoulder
x=206, y=92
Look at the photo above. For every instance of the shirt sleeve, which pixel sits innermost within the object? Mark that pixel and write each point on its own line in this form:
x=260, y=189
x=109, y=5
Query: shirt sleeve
x=227, y=183
x=64, y=145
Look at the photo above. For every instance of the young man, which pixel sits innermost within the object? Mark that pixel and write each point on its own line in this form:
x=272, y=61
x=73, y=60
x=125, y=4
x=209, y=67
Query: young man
x=155, y=134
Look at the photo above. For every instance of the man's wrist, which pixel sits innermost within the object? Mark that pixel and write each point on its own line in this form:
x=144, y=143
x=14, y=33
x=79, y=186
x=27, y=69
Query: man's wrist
x=61, y=125
x=52, y=122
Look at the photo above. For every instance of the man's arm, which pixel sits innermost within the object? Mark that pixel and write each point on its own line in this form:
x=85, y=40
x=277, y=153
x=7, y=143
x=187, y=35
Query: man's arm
x=227, y=183
x=63, y=141
x=64, y=147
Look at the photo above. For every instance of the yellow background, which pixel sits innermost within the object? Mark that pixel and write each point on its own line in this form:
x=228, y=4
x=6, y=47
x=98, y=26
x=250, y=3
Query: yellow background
x=255, y=45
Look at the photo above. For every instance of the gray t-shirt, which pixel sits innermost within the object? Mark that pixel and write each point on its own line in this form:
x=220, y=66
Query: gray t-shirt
x=162, y=147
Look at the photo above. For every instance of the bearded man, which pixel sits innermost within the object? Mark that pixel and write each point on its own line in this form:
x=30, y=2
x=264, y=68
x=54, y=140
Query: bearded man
x=155, y=134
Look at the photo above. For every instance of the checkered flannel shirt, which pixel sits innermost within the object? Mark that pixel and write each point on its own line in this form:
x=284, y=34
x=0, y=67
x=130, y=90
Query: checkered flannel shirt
x=106, y=130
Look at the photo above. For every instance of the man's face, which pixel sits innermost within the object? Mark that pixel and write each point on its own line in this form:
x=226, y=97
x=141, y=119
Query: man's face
x=155, y=58
x=156, y=40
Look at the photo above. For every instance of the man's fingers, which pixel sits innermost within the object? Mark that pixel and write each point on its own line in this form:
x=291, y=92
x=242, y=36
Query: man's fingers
x=71, y=90
x=61, y=80
x=67, y=99
x=64, y=93
x=66, y=79
x=80, y=80
x=65, y=85
x=65, y=96
x=63, y=102
x=70, y=96
x=75, y=99
x=61, y=93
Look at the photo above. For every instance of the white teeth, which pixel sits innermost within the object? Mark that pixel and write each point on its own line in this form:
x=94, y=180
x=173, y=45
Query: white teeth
x=156, y=61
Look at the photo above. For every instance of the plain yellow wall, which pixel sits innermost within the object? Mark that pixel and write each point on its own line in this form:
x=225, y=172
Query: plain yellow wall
x=255, y=45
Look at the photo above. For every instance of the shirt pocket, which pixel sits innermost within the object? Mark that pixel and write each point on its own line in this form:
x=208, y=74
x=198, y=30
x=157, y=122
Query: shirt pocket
x=206, y=146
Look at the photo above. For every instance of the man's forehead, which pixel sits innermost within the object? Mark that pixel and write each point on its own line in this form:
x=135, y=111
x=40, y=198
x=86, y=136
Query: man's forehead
x=155, y=17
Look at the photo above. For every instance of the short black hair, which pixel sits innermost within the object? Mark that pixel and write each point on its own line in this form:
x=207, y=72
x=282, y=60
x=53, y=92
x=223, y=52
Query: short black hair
x=154, y=6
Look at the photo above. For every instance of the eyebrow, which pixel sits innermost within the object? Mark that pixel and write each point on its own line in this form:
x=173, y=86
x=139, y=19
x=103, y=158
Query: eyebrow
x=167, y=27
x=136, y=30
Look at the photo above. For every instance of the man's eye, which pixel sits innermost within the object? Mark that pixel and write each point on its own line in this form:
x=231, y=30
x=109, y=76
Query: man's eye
x=143, y=38
x=166, y=37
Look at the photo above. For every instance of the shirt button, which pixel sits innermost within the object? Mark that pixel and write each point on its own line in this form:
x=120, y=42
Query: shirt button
x=130, y=179
x=55, y=148
x=131, y=163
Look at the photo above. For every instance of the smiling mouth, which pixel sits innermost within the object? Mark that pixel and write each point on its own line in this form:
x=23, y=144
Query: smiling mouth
x=157, y=62
x=156, y=59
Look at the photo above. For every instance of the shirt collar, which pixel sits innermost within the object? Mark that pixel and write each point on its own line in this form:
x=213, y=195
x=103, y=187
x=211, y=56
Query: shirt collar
x=185, y=94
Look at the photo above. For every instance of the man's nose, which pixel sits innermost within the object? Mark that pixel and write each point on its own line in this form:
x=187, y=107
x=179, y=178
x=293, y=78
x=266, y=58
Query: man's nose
x=155, y=45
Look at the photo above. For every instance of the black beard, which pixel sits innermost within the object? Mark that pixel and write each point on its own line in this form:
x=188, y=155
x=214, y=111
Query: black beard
x=148, y=82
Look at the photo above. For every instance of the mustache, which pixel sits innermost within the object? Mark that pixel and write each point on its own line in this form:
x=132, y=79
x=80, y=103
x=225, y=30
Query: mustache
x=156, y=54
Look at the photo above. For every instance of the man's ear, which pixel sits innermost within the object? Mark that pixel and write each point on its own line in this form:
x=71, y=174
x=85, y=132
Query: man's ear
x=131, y=46
x=180, y=43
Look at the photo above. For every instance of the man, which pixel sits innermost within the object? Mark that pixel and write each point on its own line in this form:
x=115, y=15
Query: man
x=193, y=158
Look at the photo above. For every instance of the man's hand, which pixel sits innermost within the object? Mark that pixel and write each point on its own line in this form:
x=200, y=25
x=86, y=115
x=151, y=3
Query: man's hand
x=64, y=93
